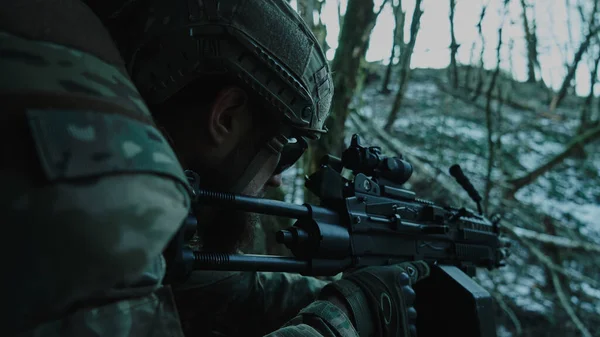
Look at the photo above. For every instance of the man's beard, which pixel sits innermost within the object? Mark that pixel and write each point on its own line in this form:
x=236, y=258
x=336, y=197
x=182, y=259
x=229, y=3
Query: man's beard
x=224, y=229
x=227, y=230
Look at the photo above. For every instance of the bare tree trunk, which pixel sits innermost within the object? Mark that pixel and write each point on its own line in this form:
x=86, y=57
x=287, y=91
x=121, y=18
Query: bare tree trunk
x=587, y=104
x=388, y=71
x=481, y=70
x=538, y=66
x=405, y=64
x=511, y=66
x=339, y=13
x=355, y=33
x=307, y=10
x=531, y=38
x=397, y=43
x=569, y=21
x=592, y=32
x=467, y=79
x=596, y=121
x=320, y=28
x=579, y=140
x=557, y=99
x=488, y=119
x=453, y=48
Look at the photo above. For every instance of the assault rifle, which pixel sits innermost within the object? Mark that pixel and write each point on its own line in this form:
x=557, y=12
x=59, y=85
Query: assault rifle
x=367, y=221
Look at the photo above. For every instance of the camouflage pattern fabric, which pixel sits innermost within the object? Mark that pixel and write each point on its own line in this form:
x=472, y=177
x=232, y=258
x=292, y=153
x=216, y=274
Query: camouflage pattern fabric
x=321, y=317
x=91, y=191
x=147, y=316
x=215, y=302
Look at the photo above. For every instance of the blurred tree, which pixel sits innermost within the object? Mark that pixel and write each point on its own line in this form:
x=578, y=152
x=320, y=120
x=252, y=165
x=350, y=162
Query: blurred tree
x=480, y=70
x=586, y=108
x=405, y=59
x=397, y=43
x=310, y=11
x=355, y=34
x=529, y=27
x=488, y=114
x=453, y=74
x=469, y=67
x=339, y=13
x=593, y=31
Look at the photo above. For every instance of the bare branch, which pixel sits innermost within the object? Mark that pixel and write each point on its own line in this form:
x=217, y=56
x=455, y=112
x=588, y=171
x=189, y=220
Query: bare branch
x=564, y=301
x=556, y=241
x=509, y=312
x=381, y=8
x=583, y=47
x=544, y=259
x=577, y=141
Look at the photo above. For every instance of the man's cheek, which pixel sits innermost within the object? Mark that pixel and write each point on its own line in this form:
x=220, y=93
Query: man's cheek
x=255, y=186
x=258, y=183
x=274, y=181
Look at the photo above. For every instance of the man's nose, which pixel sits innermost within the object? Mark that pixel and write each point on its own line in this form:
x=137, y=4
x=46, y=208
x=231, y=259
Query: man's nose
x=274, y=181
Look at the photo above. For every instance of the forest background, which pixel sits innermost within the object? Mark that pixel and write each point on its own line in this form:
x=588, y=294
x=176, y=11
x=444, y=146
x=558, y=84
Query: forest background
x=508, y=89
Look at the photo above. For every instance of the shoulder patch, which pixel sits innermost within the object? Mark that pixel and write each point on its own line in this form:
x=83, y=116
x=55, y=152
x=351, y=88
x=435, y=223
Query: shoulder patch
x=75, y=144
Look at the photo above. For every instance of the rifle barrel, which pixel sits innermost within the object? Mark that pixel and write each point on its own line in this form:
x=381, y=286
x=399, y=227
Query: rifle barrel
x=249, y=262
x=261, y=205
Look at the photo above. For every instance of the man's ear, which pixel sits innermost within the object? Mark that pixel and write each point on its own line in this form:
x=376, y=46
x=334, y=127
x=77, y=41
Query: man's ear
x=228, y=117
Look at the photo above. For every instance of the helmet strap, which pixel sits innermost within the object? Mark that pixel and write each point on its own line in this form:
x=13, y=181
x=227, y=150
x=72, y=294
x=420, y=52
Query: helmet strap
x=273, y=147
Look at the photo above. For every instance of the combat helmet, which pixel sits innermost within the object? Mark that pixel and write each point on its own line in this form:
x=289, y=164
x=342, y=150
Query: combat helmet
x=263, y=43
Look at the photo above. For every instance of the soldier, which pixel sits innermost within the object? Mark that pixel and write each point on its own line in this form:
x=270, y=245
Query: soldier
x=238, y=87
x=92, y=193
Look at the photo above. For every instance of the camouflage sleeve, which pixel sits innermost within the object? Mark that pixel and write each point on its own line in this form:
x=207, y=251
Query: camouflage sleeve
x=91, y=190
x=211, y=300
x=320, y=318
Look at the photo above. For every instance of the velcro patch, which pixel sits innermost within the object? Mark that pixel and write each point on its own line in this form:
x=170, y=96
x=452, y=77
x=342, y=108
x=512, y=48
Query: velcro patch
x=75, y=144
